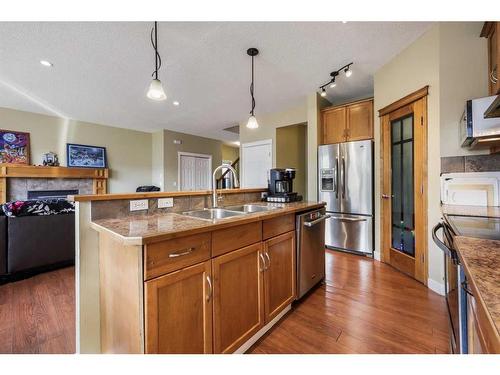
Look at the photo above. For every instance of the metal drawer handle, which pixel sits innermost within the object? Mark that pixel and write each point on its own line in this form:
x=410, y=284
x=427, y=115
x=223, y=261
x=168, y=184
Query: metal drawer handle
x=318, y=220
x=186, y=252
x=269, y=259
x=210, y=289
x=352, y=219
x=467, y=290
x=263, y=262
x=493, y=79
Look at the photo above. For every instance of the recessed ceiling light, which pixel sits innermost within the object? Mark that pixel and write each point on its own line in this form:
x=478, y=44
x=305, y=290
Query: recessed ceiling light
x=176, y=103
x=46, y=63
x=344, y=21
x=237, y=143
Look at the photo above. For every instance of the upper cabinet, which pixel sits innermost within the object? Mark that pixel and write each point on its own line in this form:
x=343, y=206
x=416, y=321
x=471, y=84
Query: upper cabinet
x=348, y=122
x=491, y=30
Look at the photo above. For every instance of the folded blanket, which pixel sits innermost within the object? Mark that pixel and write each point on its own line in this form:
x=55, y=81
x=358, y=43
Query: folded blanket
x=39, y=207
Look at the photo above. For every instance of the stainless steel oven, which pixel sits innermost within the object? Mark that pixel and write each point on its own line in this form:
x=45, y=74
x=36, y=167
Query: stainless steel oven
x=455, y=289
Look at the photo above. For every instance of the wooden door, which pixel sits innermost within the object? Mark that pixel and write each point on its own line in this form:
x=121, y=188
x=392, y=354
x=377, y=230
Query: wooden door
x=279, y=274
x=238, y=297
x=178, y=310
x=404, y=184
x=360, y=121
x=334, y=125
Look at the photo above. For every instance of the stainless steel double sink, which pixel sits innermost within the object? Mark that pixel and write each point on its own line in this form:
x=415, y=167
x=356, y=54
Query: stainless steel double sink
x=228, y=212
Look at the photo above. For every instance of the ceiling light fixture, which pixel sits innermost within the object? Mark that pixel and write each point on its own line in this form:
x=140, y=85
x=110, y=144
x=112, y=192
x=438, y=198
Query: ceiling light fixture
x=252, y=121
x=155, y=91
x=176, y=103
x=348, y=72
x=46, y=63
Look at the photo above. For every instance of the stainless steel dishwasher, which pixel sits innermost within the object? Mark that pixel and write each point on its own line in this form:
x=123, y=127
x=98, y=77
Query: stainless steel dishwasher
x=310, y=229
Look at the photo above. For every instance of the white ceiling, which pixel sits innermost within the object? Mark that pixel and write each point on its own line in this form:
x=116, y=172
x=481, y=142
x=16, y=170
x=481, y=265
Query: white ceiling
x=102, y=69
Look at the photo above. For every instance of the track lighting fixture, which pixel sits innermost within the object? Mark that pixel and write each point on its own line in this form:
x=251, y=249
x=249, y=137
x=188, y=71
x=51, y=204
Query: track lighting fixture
x=252, y=121
x=348, y=72
x=155, y=91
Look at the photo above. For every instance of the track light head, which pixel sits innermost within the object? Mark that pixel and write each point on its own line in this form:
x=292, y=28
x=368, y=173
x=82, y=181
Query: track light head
x=348, y=72
x=332, y=83
x=323, y=92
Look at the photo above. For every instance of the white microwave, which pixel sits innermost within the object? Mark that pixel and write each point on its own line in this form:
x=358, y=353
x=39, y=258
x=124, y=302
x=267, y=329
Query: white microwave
x=471, y=188
x=473, y=124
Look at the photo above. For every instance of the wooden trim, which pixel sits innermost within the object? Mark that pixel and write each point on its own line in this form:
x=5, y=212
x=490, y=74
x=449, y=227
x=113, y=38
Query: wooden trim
x=347, y=104
x=38, y=171
x=408, y=99
x=159, y=194
x=487, y=29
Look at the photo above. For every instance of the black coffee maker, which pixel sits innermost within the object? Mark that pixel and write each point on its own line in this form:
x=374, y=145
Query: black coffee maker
x=281, y=186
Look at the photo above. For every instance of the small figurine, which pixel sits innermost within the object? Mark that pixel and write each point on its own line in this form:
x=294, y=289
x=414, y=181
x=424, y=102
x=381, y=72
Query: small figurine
x=50, y=159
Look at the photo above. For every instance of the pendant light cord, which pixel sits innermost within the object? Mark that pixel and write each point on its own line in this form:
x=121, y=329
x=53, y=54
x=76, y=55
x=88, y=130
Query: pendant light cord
x=251, y=92
x=155, y=46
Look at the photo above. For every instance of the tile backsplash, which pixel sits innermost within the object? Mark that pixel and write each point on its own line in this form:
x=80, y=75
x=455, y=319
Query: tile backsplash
x=470, y=163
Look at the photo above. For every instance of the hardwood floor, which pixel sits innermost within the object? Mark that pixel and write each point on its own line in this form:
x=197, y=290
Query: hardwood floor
x=364, y=307
x=37, y=315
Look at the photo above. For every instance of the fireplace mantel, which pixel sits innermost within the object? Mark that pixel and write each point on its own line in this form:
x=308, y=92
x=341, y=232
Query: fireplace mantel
x=99, y=176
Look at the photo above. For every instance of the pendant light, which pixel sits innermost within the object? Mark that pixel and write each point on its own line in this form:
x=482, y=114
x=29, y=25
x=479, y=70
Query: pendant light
x=155, y=91
x=252, y=121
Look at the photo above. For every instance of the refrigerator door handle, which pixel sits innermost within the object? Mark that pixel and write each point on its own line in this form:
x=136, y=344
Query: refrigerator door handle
x=336, y=182
x=342, y=173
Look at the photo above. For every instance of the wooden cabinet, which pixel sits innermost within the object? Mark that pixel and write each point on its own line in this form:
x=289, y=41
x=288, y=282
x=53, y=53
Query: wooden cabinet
x=279, y=274
x=348, y=122
x=491, y=31
x=178, y=311
x=334, y=125
x=238, y=297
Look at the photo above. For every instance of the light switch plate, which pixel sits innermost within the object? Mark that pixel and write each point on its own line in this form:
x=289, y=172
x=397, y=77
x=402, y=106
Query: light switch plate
x=165, y=202
x=138, y=205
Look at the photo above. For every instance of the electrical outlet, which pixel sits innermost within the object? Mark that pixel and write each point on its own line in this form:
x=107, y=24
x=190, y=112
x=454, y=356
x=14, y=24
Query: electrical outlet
x=138, y=205
x=165, y=202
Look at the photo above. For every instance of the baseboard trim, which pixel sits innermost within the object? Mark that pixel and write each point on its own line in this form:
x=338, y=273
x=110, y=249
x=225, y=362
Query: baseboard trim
x=243, y=348
x=435, y=286
x=376, y=255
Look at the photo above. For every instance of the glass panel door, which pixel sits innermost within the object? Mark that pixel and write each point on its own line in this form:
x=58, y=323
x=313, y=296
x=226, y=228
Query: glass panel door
x=402, y=182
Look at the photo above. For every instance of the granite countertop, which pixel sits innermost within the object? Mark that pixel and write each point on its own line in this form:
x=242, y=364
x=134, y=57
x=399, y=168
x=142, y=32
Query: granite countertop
x=139, y=230
x=481, y=260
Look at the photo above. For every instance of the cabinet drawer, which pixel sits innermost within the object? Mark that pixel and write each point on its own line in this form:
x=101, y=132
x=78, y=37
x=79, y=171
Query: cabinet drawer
x=229, y=239
x=163, y=257
x=278, y=225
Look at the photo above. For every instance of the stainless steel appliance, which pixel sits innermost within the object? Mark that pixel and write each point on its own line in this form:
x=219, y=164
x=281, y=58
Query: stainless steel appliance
x=474, y=125
x=455, y=289
x=310, y=249
x=346, y=185
x=281, y=186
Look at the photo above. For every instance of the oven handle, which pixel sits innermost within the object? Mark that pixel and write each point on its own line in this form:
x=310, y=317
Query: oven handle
x=350, y=219
x=439, y=243
x=318, y=220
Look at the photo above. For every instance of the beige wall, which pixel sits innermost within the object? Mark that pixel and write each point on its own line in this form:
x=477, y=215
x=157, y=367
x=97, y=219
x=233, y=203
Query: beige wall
x=157, y=160
x=230, y=153
x=291, y=144
x=128, y=151
x=269, y=122
x=430, y=60
x=190, y=143
x=463, y=75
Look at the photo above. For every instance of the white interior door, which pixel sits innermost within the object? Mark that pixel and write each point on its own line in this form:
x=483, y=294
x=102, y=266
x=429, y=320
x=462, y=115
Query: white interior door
x=194, y=171
x=257, y=160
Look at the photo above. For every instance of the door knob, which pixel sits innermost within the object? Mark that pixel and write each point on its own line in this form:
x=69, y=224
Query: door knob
x=385, y=196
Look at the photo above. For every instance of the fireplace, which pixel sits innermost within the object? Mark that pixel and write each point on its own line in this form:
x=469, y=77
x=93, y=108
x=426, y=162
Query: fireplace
x=51, y=194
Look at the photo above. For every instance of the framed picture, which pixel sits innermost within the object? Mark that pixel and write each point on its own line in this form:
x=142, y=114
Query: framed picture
x=14, y=147
x=84, y=156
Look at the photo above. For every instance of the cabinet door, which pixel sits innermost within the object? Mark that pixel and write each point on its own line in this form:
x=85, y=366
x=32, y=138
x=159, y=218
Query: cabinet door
x=179, y=311
x=360, y=121
x=334, y=125
x=238, y=297
x=475, y=337
x=279, y=275
x=494, y=60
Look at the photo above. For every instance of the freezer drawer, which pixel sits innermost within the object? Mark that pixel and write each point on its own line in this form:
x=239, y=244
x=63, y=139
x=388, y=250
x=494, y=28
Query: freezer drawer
x=349, y=232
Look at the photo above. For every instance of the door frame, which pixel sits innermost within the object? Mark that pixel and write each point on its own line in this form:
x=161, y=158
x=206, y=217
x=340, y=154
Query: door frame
x=416, y=101
x=251, y=144
x=184, y=153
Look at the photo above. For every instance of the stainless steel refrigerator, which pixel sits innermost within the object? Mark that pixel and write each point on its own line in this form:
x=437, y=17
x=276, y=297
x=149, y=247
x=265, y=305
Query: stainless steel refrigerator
x=346, y=185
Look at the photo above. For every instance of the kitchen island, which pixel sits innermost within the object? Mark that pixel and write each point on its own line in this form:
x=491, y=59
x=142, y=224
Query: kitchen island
x=171, y=283
x=480, y=259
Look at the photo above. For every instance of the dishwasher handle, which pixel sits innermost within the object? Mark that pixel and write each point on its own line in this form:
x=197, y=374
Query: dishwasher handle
x=318, y=220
